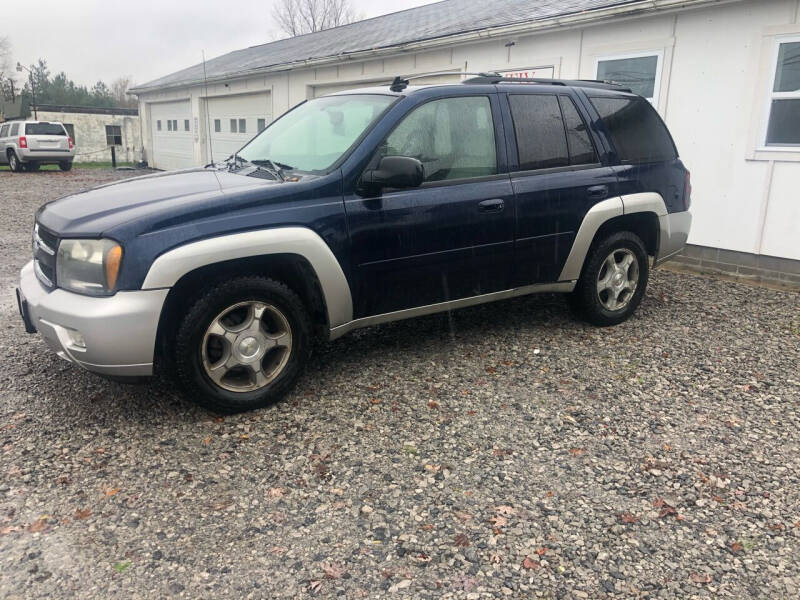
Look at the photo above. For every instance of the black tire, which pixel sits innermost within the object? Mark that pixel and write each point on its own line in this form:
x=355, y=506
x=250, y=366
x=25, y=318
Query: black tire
x=14, y=163
x=588, y=302
x=65, y=165
x=191, y=336
x=32, y=167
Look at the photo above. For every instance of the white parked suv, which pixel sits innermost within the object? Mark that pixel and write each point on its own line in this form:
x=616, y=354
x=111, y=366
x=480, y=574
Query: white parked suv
x=25, y=145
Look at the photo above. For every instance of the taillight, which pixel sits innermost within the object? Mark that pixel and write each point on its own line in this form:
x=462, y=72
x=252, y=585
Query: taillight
x=23, y=142
x=71, y=143
x=687, y=192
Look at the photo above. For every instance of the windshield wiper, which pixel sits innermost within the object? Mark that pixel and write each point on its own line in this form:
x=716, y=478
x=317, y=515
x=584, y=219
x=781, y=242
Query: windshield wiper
x=278, y=168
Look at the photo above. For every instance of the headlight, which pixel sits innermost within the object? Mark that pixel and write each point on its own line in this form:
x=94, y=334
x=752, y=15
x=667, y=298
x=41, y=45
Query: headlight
x=88, y=266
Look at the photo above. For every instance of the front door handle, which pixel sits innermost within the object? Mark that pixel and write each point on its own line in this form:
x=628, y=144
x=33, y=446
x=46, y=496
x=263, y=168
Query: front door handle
x=495, y=205
x=597, y=192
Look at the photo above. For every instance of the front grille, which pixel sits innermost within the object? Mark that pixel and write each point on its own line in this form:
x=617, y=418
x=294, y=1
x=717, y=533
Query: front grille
x=45, y=246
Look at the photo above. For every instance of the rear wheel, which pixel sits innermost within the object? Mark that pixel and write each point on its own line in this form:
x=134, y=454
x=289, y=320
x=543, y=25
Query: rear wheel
x=242, y=345
x=14, y=163
x=65, y=165
x=613, y=280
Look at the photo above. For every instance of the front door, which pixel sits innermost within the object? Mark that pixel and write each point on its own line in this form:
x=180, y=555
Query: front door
x=451, y=238
x=557, y=178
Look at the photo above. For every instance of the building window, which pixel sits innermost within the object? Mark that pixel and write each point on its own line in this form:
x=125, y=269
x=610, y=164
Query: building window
x=70, y=127
x=113, y=135
x=158, y=125
x=169, y=125
x=262, y=125
x=242, y=125
x=639, y=72
x=233, y=126
x=217, y=126
x=186, y=124
x=783, y=123
x=174, y=124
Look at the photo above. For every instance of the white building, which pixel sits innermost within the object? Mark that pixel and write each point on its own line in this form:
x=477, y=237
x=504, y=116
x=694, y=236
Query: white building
x=724, y=74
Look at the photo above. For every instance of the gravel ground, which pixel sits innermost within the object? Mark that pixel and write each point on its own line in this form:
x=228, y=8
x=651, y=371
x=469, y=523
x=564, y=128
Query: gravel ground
x=500, y=451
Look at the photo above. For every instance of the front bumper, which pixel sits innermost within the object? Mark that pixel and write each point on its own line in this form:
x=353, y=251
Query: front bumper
x=113, y=335
x=674, y=233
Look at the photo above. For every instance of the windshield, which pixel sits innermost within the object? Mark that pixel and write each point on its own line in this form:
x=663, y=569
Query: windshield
x=313, y=136
x=44, y=129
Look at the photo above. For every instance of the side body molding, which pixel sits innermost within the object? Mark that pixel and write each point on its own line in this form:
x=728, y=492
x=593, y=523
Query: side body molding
x=602, y=212
x=168, y=268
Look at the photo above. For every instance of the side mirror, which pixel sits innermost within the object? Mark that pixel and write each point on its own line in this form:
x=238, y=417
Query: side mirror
x=395, y=172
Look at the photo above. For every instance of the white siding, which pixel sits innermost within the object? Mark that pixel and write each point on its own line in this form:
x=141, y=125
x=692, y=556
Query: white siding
x=173, y=147
x=243, y=107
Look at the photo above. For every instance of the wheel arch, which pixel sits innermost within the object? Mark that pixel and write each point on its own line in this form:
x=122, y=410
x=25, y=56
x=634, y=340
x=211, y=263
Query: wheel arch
x=643, y=214
x=295, y=255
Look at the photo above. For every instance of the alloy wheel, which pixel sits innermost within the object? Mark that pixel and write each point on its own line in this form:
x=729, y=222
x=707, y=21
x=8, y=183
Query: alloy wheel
x=247, y=346
x=617, y=279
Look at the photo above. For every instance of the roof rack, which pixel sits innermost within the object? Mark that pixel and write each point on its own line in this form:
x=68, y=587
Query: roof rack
x=494, y=78
x=401, y=81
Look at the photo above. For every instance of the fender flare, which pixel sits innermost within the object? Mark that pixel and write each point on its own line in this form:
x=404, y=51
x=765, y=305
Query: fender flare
x=647, y=202
x=169, y=267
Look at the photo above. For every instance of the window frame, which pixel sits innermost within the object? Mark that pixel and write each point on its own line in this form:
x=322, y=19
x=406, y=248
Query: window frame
x=659, y=54
x=113, y=135
x=502, y=169
x=772, y=95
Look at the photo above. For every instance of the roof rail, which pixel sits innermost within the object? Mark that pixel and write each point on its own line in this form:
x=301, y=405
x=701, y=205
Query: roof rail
x=494, y=78
x=401, y=81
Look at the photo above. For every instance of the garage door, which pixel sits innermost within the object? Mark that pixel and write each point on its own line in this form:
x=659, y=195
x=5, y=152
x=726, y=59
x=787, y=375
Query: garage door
x=321, y=90
x=235, y=120
x=173, y=143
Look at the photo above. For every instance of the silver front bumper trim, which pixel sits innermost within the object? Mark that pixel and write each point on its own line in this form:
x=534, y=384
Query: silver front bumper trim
x=116, y=334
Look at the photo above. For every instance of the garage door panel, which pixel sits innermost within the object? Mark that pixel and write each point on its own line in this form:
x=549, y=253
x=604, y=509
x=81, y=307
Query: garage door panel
x=235, y=120
x=173, y=141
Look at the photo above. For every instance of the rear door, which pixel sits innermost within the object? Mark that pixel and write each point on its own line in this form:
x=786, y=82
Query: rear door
x=46, y=137
x=452, y=237
x=557, y=177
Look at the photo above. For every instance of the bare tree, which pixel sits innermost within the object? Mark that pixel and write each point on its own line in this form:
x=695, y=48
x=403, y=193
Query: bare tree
x=119, y=91
x=296, y=17
x=5, y=58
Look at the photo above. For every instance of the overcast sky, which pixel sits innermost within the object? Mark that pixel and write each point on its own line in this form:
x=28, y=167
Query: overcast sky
x=144, y=39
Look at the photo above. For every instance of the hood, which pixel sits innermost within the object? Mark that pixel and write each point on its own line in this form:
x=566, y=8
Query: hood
x=93, y=212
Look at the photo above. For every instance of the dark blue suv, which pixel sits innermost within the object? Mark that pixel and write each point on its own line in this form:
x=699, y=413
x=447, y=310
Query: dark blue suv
x=353, y=209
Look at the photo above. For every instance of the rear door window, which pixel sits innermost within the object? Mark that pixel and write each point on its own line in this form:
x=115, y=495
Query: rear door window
x=3, y=131
x=14, y=129
x=637, y=131
x=44, y=129
x=539, y=129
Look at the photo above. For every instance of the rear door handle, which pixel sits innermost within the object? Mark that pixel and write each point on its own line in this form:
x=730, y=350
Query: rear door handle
x=597, y=192
x=495, y=205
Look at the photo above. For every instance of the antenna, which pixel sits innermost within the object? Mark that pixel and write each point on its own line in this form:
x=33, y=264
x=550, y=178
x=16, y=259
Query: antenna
x=208, y=116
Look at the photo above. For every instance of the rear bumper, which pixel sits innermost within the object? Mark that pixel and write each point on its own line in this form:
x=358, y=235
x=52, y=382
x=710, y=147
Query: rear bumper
x=114, y=335
x=28, y=155
x=674, y=233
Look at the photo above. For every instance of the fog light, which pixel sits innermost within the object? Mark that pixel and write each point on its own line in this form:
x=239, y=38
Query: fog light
x=76, y=338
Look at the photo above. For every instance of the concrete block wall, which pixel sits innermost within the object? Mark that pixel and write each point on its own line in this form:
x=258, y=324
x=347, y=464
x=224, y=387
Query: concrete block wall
x=90, y=135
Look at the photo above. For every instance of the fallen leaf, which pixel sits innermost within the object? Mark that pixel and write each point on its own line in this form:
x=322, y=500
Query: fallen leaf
x=530, y=563
x=333, y=571
x=698, y=578
x=627, y=517
x=80, y=515
x=576, y=451
x=504, y=510
x=491, y=370
x=472, y=412
x=314, y=585
x=112, y=491
x=461, y=541
x=501, y=452
x=275, y=492
x=374, y=400
x=736, y=547
x=39, y=524
x=541, y=551
x=432, y=404
x=498, y=521
x=207, y=440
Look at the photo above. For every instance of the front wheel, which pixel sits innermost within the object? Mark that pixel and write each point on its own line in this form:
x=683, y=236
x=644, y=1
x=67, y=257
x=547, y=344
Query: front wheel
x=65, y=165
x=613, y=280
x=242, y=345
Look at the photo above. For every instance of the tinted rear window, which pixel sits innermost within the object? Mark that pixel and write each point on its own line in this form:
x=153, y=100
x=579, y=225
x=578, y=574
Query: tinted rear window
x=636, y=130
x=541, y=140
x=44, y=129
